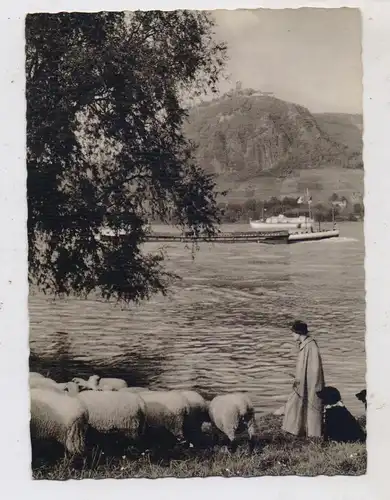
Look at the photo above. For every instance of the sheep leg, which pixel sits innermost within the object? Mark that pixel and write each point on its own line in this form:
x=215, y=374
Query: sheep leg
x=233, y=445
x=193, y=432
x=162, y=438
x=46, y=451
x=233, y=442
x=251, y=433
x=75, y=436
x=177, y=430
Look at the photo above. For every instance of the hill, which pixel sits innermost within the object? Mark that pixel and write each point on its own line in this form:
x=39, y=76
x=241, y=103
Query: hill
x=260, y=146
x=343, y=128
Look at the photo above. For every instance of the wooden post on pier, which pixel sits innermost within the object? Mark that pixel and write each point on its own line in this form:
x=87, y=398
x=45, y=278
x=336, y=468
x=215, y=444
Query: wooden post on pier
x=333, y=220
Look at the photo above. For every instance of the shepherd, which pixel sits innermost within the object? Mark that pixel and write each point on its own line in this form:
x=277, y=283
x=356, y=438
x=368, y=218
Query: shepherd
x=303, y=413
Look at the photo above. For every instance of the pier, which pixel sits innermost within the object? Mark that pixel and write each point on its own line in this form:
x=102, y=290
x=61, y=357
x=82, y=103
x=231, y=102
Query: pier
x=223, y=237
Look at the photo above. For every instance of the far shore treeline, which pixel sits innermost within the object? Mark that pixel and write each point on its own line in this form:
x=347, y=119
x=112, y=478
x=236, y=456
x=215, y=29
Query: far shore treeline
x=252, y=208
x=322, y=212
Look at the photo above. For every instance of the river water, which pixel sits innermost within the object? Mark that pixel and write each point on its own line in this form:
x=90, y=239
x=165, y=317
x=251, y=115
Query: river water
x=225, y=325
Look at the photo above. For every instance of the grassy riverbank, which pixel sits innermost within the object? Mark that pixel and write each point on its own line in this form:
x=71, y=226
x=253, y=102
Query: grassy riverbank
x=277, y=454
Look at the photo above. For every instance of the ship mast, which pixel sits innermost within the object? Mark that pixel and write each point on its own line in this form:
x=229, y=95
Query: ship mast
x=333, y=215
x=308, y=203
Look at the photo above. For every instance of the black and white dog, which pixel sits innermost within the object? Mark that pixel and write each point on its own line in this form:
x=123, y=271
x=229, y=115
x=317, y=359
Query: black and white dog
x=339, y=424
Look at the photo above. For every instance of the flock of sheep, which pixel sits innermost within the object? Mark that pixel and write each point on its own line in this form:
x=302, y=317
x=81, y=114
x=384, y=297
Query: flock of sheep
x=65, y=412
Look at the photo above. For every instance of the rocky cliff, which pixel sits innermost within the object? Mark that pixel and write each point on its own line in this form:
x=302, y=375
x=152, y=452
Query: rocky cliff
x=245, y=136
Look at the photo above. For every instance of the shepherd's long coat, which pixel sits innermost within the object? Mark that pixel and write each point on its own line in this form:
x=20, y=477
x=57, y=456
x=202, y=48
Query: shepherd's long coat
x=303, y=412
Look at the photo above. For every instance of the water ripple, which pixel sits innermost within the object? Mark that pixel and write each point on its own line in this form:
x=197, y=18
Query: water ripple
x=225, y=326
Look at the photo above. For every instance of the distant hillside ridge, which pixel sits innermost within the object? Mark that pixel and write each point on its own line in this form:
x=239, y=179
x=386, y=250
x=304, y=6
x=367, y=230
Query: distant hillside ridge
x=248, y=138
x=344, y=128
x=246, y=132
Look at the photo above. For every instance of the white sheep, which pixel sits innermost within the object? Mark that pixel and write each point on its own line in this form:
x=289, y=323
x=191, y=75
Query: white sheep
x=197, y=403
x=36, y=382
x=58, y=417
x=111, y=411
x=70, y=387
x=166, y=410
x=232, y=414
x=106, y=384
x=42, y=382
x=197, y=415
x=187, y=414
x=134, y=389
x=82, y=384
x=97, y=383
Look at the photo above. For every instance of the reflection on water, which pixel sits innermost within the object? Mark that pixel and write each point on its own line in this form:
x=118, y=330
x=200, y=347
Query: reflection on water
x=224, y=326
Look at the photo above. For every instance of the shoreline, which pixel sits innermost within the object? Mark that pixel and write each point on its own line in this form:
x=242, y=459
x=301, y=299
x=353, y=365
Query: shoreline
x=277, y=454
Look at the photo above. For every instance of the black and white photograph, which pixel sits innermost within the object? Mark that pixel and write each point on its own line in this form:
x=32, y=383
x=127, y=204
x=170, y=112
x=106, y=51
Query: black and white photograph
x=195, y=195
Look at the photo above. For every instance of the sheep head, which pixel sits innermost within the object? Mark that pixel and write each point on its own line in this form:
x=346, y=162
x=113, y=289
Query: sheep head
x=93, y=381
x=81, y=383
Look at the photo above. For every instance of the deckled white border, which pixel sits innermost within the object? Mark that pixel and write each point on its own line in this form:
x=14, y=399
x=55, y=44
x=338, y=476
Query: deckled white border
x=15, y=479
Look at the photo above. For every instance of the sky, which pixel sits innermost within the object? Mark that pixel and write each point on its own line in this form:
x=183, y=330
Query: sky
x=307, y=56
